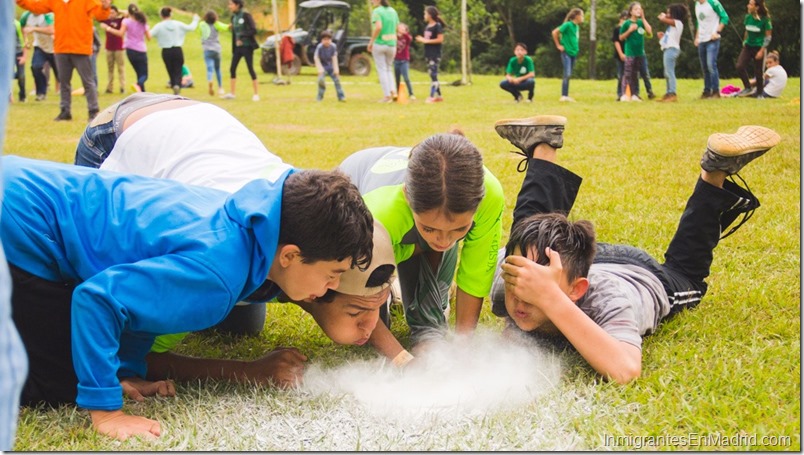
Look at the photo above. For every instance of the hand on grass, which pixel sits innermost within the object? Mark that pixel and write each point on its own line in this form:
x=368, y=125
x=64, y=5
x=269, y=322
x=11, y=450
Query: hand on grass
x=137, y=388
x=120, y=425
x=283, y=367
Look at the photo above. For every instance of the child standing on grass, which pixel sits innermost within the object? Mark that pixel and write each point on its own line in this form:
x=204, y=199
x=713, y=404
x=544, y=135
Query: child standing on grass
x=757, y=36
x=134, y=31
x=402, y=58
x=565, y=37
x=170, y=35
x=632, y=34
x=670, y=42
x=555, y=280
x=619, y=55
x=326, y=62
x=432, y=40
x=211, y=45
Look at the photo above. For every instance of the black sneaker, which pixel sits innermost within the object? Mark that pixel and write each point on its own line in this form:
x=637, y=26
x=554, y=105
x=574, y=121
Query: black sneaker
x=527, y=133
x=92, y=115
x=63, y=115
x=651, y=95
x=730, y=152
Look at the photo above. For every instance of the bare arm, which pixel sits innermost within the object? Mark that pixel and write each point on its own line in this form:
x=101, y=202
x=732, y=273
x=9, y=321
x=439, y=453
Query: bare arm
x=538, y=285
x=375, y=32
x=556, y=39
x=467, y=311
x=283, y=367
x=384, y=341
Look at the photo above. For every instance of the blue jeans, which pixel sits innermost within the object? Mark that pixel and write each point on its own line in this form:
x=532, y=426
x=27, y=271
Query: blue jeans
x=139, y=60
x=13, y=360
x=38, y=61
x=402, y=69
x=95, y=144
x=213, y=61
x=568, y=62
x=335, y=79
x=707, y=53
x=514, y=89
x=670, y=56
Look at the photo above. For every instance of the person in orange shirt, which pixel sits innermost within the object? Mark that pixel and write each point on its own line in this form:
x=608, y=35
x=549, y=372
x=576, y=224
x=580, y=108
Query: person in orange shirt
x=72, y=45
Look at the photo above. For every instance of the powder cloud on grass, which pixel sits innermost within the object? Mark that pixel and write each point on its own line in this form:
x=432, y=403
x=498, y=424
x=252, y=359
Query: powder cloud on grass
x=479, y=374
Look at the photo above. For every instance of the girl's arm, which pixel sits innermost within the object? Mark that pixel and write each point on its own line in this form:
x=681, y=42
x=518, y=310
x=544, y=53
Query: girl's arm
x=648, y=28
x=556, y=39
x=116, y=32
x=664, y=18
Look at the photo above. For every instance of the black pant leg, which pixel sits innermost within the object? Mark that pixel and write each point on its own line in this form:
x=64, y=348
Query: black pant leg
x=689, y=256
x=546, y=188
x=41, y=312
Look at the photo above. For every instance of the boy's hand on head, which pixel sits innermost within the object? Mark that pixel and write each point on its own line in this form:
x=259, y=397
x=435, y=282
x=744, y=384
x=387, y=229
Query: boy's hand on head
x=532, y=282
x=283, y=367
x=137, y=388
x=120, y=425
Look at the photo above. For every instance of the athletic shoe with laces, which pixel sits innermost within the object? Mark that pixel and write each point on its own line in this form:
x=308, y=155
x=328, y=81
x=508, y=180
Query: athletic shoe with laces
x=227, y=96
x=63, y=115
x=730, y=152
x=526, y=133
x=255, y=97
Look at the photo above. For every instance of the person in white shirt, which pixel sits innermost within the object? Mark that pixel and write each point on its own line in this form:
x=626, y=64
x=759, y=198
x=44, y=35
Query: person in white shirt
x=670, y=42
x=775, y=77
x=711, y=19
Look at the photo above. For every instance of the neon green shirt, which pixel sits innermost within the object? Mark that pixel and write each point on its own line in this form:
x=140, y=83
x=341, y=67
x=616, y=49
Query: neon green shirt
x=390, y=20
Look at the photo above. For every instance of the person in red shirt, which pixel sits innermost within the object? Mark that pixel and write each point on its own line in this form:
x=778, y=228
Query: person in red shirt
x=115, y=51
x=72, y=45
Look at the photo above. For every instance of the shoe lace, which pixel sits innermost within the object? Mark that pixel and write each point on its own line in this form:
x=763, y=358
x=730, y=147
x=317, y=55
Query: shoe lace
x=523, y=165
x=746, y=215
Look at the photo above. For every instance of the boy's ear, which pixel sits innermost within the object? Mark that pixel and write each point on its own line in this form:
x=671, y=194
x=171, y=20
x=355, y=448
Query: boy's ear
x=578, y=288
x=287, y=254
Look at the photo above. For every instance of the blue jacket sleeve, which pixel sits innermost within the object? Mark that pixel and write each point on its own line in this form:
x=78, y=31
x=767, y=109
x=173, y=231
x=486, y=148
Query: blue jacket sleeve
x=116, y=314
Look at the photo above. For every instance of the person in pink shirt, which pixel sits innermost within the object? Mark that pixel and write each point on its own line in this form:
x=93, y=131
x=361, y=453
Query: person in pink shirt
x=135, y=30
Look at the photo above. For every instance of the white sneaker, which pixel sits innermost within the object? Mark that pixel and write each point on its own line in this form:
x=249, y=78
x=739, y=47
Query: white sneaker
x=228, y=96
x=255, y=97
x=566, y=99
x=221, y=91
x=636, y=98
x=625, y=98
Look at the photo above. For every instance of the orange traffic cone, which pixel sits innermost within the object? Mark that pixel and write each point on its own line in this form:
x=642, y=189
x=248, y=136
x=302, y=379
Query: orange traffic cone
x=628, y=91
x=402, y=94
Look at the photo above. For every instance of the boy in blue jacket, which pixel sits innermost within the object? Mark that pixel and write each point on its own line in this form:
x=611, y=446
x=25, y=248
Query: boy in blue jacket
x=102, y=263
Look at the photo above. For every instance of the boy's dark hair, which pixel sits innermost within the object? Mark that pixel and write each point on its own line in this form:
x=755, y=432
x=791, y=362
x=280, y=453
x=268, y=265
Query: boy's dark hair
x=445, y=171
x=380, y=276
x=238, y=4
x=678, y=11
x=574, y=241
x=135, y=12
x=325, y=216
x=210, y=17
x=114, y=8
x=165, y=12
x=522, y=45
x=624, y=14
x=325, y=34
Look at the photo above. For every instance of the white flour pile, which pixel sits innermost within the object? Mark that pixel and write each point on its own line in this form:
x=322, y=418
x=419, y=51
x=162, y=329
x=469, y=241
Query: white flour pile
x=474, y=375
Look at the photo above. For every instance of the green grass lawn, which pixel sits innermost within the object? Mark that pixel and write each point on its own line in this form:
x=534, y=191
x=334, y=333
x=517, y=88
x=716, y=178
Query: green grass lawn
x=731, y=367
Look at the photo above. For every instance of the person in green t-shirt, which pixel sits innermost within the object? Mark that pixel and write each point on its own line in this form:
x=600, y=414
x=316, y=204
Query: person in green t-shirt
x=632, y=34
x=756, y=38
x=384, y=22
x=519, y=74
x=565, y=38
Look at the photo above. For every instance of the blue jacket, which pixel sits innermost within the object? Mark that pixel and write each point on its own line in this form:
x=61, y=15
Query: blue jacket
x=151, y=256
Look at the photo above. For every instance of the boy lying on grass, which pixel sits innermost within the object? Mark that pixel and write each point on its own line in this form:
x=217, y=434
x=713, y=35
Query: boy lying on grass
x=102, y=263
x=555, y=279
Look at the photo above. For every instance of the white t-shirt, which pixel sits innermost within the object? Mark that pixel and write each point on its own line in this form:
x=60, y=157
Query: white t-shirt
x=775, y=80
x=708, y=21
x=672, y=36
x=204, y=146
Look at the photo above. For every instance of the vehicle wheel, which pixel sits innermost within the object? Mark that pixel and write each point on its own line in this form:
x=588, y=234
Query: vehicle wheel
x=360, y=65
x=267, y=63
x=295, y=67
